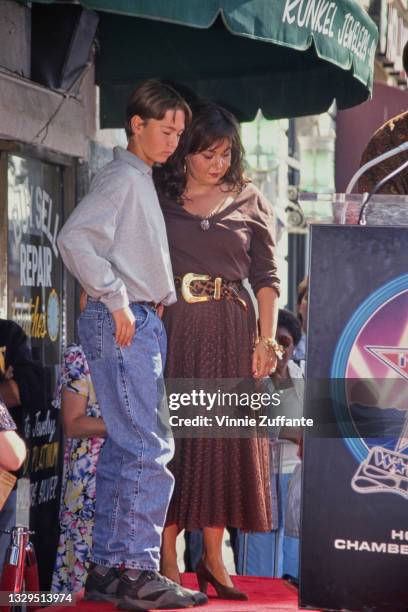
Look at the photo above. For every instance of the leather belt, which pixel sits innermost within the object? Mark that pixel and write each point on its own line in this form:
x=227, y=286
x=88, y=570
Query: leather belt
x=197, y=288
x=153, y=305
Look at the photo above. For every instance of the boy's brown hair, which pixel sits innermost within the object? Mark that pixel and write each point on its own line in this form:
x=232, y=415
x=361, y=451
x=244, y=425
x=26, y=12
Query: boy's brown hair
x=151, y=100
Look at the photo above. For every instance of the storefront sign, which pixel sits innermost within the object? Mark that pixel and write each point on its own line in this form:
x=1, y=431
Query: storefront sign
x=322, y=17
x=35, y=267
x=35, y=284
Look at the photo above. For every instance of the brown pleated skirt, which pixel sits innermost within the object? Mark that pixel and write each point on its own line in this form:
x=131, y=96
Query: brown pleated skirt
x=218, y=481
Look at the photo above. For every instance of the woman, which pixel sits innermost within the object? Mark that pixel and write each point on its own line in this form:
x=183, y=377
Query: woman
x=85, y=431
x=220, y=227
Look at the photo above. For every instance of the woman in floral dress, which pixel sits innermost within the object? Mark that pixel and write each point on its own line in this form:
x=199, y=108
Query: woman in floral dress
x=85, y=431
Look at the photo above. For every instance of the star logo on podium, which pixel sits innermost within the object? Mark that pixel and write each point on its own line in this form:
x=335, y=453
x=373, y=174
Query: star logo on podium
x=396, y=358
x=386, y=470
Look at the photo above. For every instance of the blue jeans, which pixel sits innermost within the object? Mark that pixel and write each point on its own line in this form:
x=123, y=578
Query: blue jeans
x=133, y=484
x=271, y=554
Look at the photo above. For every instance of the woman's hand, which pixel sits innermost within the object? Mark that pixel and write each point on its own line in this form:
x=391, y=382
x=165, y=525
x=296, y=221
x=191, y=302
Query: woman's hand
x=264, y=357
x=263, y=361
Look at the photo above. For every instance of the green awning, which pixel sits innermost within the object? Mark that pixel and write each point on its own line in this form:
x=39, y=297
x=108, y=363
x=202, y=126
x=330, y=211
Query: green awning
x=287, y=57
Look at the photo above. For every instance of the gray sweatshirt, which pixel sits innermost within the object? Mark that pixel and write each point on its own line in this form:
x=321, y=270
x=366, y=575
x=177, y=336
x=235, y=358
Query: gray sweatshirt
x=115, y=241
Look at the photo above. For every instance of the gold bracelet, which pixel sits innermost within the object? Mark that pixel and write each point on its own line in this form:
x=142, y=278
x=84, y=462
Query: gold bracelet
x=272, y=344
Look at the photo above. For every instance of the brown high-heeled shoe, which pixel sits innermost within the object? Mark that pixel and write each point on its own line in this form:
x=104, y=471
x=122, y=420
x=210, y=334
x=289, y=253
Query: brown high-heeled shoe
x=204, y=576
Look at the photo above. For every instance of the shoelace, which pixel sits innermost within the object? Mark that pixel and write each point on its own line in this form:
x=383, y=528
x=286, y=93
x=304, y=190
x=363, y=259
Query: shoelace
x=156, y=576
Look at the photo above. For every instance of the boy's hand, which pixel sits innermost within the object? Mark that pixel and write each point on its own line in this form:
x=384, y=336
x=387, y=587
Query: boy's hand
x=125, y=326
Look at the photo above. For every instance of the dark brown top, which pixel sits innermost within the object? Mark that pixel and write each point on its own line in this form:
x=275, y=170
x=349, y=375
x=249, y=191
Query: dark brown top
x=390, y=135
x=239, y=244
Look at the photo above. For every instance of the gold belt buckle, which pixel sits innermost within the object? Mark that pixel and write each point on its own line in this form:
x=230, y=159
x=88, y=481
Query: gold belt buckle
x=186, y=290
x=217, y=288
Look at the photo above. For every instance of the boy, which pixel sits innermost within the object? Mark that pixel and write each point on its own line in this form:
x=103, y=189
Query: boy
x=115, y=244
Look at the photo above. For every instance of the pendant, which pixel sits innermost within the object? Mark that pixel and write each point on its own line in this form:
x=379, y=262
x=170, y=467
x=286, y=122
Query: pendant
x=205, y=224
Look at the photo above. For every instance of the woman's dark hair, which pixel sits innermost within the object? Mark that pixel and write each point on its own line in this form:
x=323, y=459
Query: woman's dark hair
x=210, y=124
x=151, y=100
x=288, y=320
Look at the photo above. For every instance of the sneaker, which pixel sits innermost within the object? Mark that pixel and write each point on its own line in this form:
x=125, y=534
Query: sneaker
x=152, y=591
x=102, y=584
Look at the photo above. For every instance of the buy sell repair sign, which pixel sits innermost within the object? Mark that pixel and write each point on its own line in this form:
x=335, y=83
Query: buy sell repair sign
x=35, y=302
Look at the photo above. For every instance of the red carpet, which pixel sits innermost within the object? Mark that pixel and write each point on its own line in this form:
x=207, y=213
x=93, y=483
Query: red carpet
x=265, y=595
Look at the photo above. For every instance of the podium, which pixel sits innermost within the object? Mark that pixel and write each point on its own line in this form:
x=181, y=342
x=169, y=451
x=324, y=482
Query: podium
x=354, y=527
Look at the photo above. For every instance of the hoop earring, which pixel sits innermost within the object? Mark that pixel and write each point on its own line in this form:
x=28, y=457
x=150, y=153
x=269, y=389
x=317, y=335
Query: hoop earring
x=185, y=167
